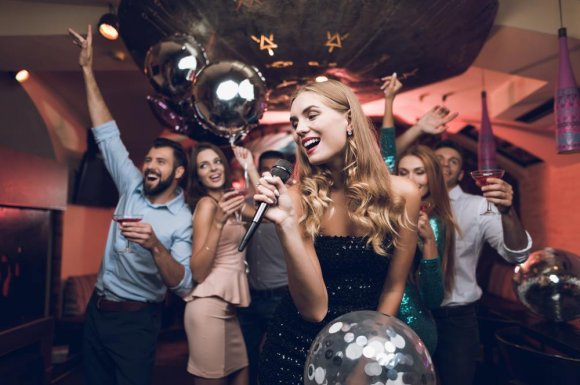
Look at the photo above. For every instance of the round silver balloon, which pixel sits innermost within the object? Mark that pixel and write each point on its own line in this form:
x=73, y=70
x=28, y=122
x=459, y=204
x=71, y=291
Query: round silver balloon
x=173, y=63
x=367, y=347
x=230, y=98
x=548, y=283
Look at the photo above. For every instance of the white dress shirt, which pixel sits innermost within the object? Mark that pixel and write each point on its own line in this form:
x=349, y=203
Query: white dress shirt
x=476, y=229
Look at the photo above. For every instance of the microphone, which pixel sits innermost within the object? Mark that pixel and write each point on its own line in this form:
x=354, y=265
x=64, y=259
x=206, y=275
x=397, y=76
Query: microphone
x=283, y=170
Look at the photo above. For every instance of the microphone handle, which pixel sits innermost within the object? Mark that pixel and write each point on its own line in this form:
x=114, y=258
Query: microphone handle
x=253, y=226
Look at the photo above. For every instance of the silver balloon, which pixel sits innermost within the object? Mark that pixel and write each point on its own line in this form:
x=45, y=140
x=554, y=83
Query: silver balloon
x=230, y=98
x=173, y=63
x=367, y=347
x=548, y=283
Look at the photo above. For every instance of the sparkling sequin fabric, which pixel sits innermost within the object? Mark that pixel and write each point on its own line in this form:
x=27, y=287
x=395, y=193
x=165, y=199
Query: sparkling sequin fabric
x=354, y=277
x=418, y=300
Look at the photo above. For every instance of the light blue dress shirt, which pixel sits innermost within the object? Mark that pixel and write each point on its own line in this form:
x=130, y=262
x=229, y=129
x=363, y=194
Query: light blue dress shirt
x=135, y=276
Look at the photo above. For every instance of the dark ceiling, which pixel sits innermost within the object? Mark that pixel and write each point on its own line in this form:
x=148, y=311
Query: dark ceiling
x=293, y=41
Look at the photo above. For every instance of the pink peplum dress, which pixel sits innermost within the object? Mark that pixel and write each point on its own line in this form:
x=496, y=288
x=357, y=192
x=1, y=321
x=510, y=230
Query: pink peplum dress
x=216, y=344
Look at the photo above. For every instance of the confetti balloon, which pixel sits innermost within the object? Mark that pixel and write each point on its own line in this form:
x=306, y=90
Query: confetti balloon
x=172, y=65
x=230, y=98
x=367, y=347
x=548, y=284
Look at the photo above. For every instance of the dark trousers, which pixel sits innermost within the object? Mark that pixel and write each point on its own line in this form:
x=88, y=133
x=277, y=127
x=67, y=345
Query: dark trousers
x=119, y=346
x=457, y=350
x=254, y=321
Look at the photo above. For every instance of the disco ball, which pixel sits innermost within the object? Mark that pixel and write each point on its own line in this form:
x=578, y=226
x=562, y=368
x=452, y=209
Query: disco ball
x=367, y=347
x=548, y=284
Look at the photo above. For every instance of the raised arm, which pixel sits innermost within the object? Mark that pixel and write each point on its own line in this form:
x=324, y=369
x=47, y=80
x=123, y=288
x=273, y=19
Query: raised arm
x=305, y=279
x=107, y=135
x=390, y=87
x=433, y=122
x=98, y=110
x=246, y=160
x=516, y=241
x=403, y=256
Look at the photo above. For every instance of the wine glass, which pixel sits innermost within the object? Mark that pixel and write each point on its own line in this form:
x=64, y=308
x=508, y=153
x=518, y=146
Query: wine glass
x=480, y=176
x=241, y=189
x=426, y=206
x=127, y=218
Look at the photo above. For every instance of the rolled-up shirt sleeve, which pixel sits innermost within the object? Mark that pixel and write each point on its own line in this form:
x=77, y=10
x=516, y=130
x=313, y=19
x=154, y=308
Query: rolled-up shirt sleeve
x=181, y=252
x=494, y=236
x=518, y=256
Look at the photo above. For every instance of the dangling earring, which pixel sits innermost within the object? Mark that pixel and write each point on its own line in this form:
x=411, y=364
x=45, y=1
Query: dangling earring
x=349, y=133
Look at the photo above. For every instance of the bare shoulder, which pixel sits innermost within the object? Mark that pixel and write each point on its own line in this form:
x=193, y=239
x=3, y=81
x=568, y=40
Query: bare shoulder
x=403, y=187
x=204, y=206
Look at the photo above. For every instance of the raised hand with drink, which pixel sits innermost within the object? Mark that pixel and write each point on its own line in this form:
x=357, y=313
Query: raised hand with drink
x=235, y=192
x=494, y=189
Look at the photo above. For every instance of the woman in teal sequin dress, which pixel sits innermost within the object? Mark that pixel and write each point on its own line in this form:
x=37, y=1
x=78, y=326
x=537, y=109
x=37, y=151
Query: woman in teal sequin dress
x=431, y=273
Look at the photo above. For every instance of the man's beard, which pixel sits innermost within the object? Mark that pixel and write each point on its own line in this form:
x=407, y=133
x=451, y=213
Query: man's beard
x=161, y=186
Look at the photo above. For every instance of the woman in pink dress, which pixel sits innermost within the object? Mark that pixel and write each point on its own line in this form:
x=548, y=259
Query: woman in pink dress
x=217, y=354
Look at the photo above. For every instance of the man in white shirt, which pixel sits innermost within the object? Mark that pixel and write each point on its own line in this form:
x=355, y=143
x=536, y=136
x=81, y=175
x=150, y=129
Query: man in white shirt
x=457, y=327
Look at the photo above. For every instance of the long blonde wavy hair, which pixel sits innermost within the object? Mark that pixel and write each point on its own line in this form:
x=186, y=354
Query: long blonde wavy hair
x=371, y=204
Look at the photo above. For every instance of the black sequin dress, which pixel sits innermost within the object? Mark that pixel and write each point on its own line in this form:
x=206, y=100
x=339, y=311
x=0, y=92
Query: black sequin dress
x=354, y=275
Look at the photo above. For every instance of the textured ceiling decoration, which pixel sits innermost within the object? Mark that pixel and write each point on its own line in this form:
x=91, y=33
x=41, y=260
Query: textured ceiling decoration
x=356, y=41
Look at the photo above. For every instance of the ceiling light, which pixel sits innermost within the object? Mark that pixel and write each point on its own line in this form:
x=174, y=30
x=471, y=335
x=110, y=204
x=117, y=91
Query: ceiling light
x=109, y=26
x=22, y=76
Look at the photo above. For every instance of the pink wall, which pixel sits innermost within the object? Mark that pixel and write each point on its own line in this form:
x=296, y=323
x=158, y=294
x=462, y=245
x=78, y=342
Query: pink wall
x=561, y=208
x=549, y=206
x=85, y=232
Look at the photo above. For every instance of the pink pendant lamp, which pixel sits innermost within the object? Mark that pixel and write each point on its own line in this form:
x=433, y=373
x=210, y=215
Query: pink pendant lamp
x=486, y=152
x=566, y=100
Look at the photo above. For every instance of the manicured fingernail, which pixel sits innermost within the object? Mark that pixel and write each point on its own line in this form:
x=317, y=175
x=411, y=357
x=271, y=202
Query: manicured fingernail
x=394, y=74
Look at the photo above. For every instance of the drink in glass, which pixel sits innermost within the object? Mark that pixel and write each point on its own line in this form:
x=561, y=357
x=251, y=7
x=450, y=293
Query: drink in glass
x=127, y=218
x=240, y=191
x=481, y=177
x=426, y=207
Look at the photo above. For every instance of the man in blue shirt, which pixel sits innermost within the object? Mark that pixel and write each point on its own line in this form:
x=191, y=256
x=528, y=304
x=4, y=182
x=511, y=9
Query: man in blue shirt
x=123, y=316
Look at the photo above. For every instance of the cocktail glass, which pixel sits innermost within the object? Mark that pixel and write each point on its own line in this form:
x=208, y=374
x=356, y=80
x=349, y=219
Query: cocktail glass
x=426, y=207
x=127, y=218
x=481, y=177
x=240, y=189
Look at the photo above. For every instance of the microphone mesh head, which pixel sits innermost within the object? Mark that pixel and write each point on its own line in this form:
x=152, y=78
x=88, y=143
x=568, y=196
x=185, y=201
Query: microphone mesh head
x=282, y=169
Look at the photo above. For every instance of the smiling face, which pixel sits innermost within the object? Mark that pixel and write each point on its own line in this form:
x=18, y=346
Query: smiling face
x=159, y=171
x=451, y=165
x=210, y=169
x=412, y=168
x=320, y=130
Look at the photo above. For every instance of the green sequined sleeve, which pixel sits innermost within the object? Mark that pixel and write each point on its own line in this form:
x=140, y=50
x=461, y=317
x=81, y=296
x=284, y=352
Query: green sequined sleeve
x=430, y=274
x=389, y=147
